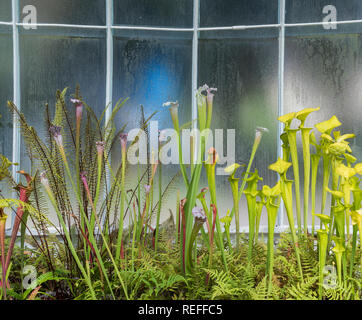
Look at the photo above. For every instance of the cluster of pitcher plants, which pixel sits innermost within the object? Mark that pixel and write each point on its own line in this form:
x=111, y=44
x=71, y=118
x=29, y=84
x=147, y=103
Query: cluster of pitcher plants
x=105, y=227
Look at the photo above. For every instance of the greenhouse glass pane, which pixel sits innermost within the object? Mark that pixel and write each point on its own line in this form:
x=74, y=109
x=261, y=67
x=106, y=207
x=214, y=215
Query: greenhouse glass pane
x=5, y=10
x=237, y=12
x=53, y=62
x=244, y=69
x=6, y=93
x=325, y=71
x=150, y=69
x=162, y=13
x=65, y=11
x=317, y=10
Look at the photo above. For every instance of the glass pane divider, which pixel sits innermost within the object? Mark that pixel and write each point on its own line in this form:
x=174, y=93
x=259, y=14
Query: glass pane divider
x=195, y=48
x=281, y=55
x=16, y=97
x=109, y=75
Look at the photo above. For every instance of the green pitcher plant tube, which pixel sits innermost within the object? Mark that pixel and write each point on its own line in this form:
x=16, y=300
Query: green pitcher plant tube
x=281, y=168
x=326, y=127
x=271, y=200
x=209, y=165
x=322, y=237
x=226, y=220
x=305, y=132
x=123, y=141
x=234, y=184
x=357, y=221
x=292, y=142
x=250, y=193
x=339, y=250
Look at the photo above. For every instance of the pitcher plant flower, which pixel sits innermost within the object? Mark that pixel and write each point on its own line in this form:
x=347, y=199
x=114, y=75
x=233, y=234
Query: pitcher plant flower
x=339, y=249
x=226, y=220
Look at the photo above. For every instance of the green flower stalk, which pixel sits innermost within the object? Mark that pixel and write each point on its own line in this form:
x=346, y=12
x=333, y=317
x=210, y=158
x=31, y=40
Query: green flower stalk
x=123, y=140
x=250, y=194
x=227, y=222
x=339, y=250
x=210, y=225
x=315, y=158
x=271, y=200
x=211, y=232
x=234, y=184
x=322, y=236
x=281, y=167
x=302, y=116
x=100, y=151
x=3, y=218
x=258, y=211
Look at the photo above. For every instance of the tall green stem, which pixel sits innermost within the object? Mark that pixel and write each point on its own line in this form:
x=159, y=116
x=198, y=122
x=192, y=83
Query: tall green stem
x=292, y=138
x=315, y=161
x=306, y=161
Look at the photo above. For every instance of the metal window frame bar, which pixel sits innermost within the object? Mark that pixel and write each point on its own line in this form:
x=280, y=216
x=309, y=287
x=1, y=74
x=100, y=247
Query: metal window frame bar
x=109, y=27
x=281, y=61
x=16, y=96
x=194, y=67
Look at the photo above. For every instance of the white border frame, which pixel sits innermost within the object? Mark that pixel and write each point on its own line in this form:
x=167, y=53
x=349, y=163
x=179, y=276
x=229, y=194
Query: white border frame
x=109, y=27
